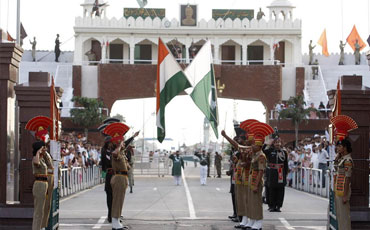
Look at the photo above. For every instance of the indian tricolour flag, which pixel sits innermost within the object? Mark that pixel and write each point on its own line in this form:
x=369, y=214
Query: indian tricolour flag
x=171, y=81
x=202, y=78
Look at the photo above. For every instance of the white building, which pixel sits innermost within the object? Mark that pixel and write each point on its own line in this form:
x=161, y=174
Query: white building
x=242, y=42
x=275, y=39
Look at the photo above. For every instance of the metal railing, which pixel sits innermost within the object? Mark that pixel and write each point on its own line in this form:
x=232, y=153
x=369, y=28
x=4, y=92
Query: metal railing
x=65, y=110
x=152, y=165
x=77, y=179
x=184, y=60
x=323, y=83
x=310, y=180
x=274, y=114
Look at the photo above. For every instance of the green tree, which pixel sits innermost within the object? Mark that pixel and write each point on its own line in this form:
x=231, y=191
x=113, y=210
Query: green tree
x=120, y=117
x=296, y=112
x=88, y=116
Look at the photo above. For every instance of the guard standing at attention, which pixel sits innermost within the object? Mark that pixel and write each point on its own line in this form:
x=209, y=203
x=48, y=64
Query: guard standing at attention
x=343, y=164
x=120, y=167
x=276, y=173
x=218, y=161
x=38, y=127
x=131, y=160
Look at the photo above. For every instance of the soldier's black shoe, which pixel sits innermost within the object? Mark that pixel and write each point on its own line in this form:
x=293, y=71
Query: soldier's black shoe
x=239, y=226
x=277, y=209
x=232, y=217
x=109, y=219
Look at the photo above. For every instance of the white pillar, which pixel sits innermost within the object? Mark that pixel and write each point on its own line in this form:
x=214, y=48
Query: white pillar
x=103, y=53
x=272, y=53
x=132, y=54
x=244, y=53
x=78, y=57
x=187, y=46
x=216, y=48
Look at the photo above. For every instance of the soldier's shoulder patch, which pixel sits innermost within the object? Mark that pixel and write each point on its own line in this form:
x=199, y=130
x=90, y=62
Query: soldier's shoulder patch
x=348, y=164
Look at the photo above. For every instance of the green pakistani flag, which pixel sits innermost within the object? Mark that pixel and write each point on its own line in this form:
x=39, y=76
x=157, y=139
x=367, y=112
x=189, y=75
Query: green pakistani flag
x=203, y=92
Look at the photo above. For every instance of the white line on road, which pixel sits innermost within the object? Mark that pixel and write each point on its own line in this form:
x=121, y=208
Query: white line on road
x=100, y=222
x=155, y=189
x=218, y=189
x=286, y=224
x=188, y=196
x=81, y=225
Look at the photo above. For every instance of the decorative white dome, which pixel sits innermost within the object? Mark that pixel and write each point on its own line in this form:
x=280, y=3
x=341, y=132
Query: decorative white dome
x=282, y=4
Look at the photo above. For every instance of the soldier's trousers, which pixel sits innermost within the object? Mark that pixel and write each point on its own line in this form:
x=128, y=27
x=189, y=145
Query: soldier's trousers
x=343, y=214
x=108, y=191
x=232, y=191
x=39, y=195
x=130, y=174
x=119, y=186
x=276, y=196
x=218, y=168
x=49, y=196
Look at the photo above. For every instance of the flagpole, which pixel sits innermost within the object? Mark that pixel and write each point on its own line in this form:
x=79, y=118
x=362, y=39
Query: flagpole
x=18, y=41
x=342, y=17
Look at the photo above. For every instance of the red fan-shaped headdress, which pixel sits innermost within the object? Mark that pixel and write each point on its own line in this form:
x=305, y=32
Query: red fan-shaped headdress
x=245, y=126
x=343, y=124
x=260, y=131
x=116, y=131
x=39, y=125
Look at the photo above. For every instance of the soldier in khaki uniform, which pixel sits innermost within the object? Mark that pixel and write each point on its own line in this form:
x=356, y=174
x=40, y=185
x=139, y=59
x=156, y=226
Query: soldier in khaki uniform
x=120, y=167
x=49, y=195
x=38, y=127
x=343, y=165
x=258, y=166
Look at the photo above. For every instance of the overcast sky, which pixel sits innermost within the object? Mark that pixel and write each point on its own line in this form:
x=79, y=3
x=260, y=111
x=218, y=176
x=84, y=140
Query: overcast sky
x=45, y=18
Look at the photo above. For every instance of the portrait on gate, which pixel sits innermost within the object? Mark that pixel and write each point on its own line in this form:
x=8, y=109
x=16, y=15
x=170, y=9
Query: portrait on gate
x=188, y=15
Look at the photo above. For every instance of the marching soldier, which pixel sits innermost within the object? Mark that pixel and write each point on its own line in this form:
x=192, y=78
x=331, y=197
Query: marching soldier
x=276, y=172
x=343, y=165
x=38, y=126
x=258, y=166
x=218, y=159
x=120, y=167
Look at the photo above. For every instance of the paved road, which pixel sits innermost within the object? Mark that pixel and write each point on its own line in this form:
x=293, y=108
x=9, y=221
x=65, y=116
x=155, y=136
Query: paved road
x=158, y=204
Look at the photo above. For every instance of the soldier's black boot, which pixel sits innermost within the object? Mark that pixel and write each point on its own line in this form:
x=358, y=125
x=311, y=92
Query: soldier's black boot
x=131, y=189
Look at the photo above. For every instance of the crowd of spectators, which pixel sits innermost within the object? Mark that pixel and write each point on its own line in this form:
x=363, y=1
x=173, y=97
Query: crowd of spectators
x=321, y=112
x=77, y=152
x=311, y=152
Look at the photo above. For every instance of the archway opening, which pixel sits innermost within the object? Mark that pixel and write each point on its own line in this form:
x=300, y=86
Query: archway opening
x=185, y=123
